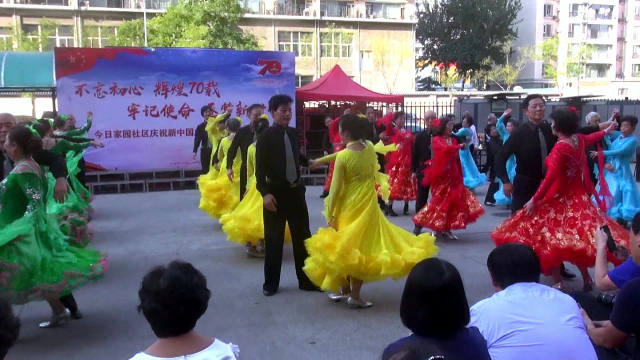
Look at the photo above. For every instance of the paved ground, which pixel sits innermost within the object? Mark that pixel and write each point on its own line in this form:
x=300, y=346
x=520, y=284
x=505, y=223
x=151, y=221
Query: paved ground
x=139, y=231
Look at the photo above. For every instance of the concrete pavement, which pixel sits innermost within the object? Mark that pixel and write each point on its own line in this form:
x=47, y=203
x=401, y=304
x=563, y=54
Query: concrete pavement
x=139, y=231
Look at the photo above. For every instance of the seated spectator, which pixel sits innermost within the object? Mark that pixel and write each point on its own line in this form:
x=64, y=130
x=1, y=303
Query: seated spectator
x=172, y=299
x=434, y=307
x=624, y=321
x=628, y=270
x=525, y=320
x=9, y=328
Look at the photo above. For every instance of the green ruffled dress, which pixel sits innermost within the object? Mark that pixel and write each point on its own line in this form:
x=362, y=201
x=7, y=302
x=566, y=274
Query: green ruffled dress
x=35, y=260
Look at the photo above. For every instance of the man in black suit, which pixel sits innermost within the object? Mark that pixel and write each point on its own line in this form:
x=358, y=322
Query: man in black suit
x=201, y=138
x=422, y=154
x=244, y=137
x=283, y=195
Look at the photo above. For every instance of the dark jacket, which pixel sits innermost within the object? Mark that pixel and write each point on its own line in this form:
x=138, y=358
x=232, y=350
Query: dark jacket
x=201, y=137
x=421, y=151
x=270, y=159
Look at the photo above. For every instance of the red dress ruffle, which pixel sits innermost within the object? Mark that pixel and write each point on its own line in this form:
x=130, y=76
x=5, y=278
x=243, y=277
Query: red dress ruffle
x=452, y=205
x=563, y=223
x=401, y=180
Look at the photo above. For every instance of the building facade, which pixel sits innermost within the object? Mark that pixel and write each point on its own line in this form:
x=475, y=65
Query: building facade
x=598, y=44
x=372, y=40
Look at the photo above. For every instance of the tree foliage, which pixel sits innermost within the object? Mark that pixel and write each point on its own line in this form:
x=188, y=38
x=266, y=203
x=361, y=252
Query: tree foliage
x=389, y=58
x=32, y=41
x=467, y=32
x=191, y=23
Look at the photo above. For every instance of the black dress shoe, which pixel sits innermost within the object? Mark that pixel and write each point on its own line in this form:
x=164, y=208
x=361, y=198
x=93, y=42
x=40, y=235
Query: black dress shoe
x=309, y=288
x=417, y=230
x=405, y=211
x=489, y=203
x=566, y=274
x=324, y=194
x=266, y=292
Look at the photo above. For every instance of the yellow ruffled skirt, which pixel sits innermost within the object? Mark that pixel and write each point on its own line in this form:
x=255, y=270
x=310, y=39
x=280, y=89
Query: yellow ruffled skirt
x=365, y=246
x=218, y=195
x=245, y=223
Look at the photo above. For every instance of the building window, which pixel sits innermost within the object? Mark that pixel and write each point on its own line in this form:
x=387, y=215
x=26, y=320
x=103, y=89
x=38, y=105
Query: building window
x=302, y=80
x=637, y=12
x=574, y=10
x=575, y=30
x=301, y=43
x=548, y=10
x=600, y=12
x=635, y=70
x=64, y=36
x=366, y=60
x=600, y=32
x=601, y=52
x=547, y=30
x=6, y=38
x=597, y=71
x=636, y=51
x=98, y=36
x=336, y=44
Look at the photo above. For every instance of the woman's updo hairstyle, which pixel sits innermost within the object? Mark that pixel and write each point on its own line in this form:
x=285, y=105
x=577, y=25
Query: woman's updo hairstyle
x=356, y=126
x=565, y=121
x=26, y=140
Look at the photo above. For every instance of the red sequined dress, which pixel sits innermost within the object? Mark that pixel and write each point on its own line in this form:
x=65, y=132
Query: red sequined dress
x=452, y=205
x=564, y=220
x=401, y=180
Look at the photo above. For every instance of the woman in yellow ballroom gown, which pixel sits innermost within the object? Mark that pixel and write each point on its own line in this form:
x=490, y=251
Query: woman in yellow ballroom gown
x=216, y=129
x=360, y=244
x=220, y=195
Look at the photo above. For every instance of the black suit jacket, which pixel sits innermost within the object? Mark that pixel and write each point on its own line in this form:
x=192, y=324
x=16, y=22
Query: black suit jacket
x=201, y=137
x=373, y=132
x=242, y=140
x=270, y=159
x=421, y=151
x=56, y=163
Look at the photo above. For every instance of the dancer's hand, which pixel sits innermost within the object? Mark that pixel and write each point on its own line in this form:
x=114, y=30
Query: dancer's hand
x=609, y=167
x=90, y=115
x=194, y=156
x=314, y=164
x=332, y=223
x=60, y=189
x=507, y=188
x=269, y=202
x=230, y=174
x=611, y=127
x=506, y=113
x=593, y=154
x=97, y=143
x=529, y=206
x=601, y=240
x=588, y=323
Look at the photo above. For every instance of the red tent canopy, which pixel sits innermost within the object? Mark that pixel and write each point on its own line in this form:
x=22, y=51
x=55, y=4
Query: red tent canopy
x=336, y=85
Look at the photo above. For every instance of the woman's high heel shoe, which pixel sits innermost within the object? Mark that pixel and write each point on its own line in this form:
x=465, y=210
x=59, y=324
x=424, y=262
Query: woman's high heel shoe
x=358, y=304
x=56, y=320
x=337, y=297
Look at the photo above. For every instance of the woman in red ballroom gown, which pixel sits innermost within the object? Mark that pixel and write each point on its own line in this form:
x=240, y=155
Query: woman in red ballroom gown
x=560, y=221
x=401, y=180
x=452, y=205
x=334, y=137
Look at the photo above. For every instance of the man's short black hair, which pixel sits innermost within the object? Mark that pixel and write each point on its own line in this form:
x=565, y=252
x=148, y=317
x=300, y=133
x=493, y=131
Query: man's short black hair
x=632, y=120
x=356, y=126
x=513, y=263
x=173, y=298
x=203, y=109
x=434, y=303
x=565, y=121
x=278, y=100
x=9, y=327
x=527, y=100
x=233, y=124
x=253, y=107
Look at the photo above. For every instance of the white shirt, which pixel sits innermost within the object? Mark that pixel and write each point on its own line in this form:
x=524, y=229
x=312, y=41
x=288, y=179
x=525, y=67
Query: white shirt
x=216, y=351
x=530, y=321
x=474, y=138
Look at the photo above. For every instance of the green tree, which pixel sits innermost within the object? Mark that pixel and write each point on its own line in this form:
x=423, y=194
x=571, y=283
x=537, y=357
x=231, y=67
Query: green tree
x=190, y=23
x=32, y=41
x=467, y=32
x=389, y=58
x=506, y=75
x=548, y=53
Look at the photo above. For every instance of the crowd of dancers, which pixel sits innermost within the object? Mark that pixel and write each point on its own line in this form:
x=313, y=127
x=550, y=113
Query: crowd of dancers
x=538, y=168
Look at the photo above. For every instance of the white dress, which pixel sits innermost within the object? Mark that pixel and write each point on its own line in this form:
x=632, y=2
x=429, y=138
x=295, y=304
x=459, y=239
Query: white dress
x=216, y=351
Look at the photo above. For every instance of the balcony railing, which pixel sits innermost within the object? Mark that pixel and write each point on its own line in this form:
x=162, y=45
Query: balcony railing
x=117, y=4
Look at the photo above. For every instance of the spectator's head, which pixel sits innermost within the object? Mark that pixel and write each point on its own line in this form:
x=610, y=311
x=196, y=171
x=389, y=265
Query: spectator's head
x=634, y=239
x=21, y=142
x=493, y=132
x=491, y=118
x=513, y=263
x=173, y=298
x=43, y=127
x=9, y=328
x=205, y=111
x=71, y=122
x=49, y=115
x=353, y=127
x=467, y=121
x=370, y=112
x=511, y=125
x=327, y=121
x=628, y=124
x=399, y=119
x=443, y=126
x=233, y=125
x=7, y=122
x=280, y=109
x=254, y=111
x=429, y=116
x=592, y=118
x=564, y=122
x=533, y=106
x=434, y=303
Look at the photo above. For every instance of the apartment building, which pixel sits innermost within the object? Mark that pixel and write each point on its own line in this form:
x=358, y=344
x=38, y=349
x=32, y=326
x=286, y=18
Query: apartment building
x=372, y=40
x=598, y=48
